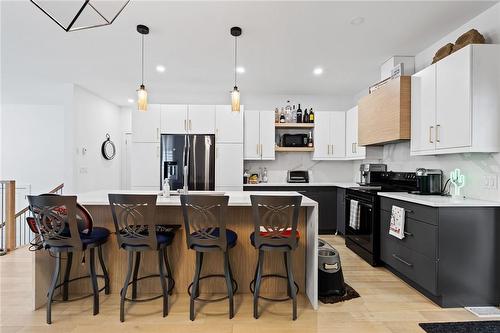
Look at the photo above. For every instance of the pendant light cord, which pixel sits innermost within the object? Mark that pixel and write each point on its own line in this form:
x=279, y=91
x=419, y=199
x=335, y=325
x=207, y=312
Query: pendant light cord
x=142, y=62
x=235, y=58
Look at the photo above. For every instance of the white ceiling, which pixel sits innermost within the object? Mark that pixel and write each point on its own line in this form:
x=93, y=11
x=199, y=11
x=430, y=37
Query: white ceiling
x=281, y=44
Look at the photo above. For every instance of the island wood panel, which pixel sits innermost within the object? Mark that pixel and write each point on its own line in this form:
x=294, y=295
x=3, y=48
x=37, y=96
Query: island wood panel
x=243, y=257
x=384, y=115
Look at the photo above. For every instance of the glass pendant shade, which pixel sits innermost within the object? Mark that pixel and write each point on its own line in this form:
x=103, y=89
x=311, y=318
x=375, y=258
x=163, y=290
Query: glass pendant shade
x=235, y=100
x=142, y=98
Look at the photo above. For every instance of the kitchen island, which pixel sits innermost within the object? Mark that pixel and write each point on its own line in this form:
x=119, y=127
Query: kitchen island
x=243, y=256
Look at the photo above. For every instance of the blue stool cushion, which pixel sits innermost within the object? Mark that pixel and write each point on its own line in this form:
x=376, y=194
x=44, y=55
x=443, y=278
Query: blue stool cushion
x=231, y=237
x=162, y=239
x=97, y=235
x=286, y=234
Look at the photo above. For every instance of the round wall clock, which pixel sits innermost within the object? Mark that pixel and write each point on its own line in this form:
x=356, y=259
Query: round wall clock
x=108, y=148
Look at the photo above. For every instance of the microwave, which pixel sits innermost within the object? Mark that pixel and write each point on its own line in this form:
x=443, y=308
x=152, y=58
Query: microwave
x=294, y=140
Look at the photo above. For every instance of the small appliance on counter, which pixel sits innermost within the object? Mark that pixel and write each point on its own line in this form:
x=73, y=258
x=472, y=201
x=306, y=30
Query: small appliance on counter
x=294, y=140
x=298, y=176
x=365, y=171
x=429, y=181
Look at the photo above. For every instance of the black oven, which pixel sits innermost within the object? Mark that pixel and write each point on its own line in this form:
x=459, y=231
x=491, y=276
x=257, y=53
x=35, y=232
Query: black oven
x=363, y=240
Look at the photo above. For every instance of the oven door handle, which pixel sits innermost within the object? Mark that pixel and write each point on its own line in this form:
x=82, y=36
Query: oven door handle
x=370, y=207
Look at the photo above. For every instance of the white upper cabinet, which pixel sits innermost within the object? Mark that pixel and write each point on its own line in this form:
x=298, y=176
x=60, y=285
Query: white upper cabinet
x=423, y=110
x=259, y=143
x=337, y=134
x=174, y=118
x=229, y=166
x=145, y=165
x=146, y=124
x=201, y=119
x=457, y=109
x=353, y=151
x=228, y=124
x=322, y=135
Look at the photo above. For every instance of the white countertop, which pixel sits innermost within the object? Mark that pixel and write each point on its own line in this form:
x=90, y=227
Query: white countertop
x=337, y=184
x=236, y=198
x=438, y=200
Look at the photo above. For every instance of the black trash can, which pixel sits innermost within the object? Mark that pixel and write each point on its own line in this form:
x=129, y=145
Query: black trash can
x=331, y=279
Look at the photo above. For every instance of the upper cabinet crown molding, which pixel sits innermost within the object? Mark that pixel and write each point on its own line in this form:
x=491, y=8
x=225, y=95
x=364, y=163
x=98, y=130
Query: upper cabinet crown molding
x=456, y=103
x=384, y=115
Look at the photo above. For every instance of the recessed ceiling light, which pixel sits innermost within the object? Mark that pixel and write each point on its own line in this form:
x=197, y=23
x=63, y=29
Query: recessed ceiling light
x=240, y=70
x=160, y=68
x=318, y=71
x=358, y=20
x=130, y=100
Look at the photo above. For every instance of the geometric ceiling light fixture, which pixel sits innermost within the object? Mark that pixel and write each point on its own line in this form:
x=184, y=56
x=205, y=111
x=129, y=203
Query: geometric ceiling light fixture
x=235, y=93
x=82, y=14
x=142, y=94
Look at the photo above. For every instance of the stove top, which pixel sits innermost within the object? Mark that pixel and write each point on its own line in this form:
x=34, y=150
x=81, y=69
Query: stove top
x=389, y=181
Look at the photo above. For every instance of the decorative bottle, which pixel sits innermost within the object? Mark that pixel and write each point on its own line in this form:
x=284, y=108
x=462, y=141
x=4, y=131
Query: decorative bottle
x=311, y=116
x=306, y=116
x=166, y=187
x=299, y=114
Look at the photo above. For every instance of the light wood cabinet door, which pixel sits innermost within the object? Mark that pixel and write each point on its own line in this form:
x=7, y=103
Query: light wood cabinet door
x=322, y=132
x=228, y=124
x=337, y=134
x=453, y=100
x=145, y=165
x=423, y=110
x=228, y=165
x=174, y=119
x=201, y=119
x=267, y=136
x=251, y=143
x=146, y=124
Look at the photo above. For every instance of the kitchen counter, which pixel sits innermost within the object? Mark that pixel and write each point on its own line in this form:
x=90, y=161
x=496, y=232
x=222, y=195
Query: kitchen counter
x=169, y=212
x=439, y=201
x=336, y=184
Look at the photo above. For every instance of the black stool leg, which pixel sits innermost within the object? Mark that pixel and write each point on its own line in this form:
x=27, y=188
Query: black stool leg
x=229, y=283
x=67, y=272
x=258, y=278
x=291, y=283
x=123, y=292
x=136, y=272
x=53, y=283
x=196, y=283
x=164, y=287
x=104, y=271
x=169, y=270
x=93, y=277
x=288, y=287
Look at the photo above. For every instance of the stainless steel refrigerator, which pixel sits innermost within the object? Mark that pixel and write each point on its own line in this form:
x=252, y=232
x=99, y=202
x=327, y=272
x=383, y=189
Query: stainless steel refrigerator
x=194, y=153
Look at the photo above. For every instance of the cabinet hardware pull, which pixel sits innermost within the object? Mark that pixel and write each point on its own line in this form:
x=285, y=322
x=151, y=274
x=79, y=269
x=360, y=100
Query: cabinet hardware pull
x=332, y=149
x=261, y=150
x=430, y=134
x=437, y=133
x=355, y=147
x=402, y=260
x=258, y=150
x=409, y=211
x=408, y=233
x=352, y=147
x=190, y=125
x=328, y=149
x=185, y=126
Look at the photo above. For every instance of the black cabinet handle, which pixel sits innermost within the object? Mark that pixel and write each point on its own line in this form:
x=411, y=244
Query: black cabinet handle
x=409, y=211
x=408, y=233
x=401, y=260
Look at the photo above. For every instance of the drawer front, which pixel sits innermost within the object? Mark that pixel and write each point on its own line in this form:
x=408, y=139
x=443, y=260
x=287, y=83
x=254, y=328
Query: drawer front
x=413, y=265
x=419, y=236
x=414, y=211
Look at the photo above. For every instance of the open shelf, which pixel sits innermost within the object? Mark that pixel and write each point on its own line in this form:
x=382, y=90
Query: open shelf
x=294, y=149
x=294, y=125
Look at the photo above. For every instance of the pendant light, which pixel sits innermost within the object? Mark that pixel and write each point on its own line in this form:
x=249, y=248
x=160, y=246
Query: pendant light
x=142, y=94
x=235, y=94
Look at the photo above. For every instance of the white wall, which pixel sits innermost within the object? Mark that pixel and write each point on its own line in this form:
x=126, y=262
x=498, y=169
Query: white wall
x=93, y=118
x=474, y=166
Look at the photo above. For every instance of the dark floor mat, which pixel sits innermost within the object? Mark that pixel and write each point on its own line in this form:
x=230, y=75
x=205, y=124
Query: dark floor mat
x=463, y=327
x=350, y=294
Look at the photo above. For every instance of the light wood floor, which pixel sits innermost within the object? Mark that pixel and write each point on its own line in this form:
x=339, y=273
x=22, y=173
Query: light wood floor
x=386, y=305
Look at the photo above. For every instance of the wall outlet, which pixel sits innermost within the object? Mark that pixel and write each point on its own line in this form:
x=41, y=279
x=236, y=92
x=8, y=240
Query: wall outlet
x=489, y=182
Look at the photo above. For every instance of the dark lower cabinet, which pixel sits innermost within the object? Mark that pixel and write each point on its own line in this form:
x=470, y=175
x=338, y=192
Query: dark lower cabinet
x=451, y=255
x=325, y=196
x=341, y=210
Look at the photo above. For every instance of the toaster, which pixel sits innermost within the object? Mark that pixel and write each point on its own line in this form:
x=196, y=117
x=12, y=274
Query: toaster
x=298, y=176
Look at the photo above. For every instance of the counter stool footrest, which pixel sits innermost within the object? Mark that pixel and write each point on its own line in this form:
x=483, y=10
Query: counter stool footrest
x=171, y=284
x=234, y=283
x=252, y=288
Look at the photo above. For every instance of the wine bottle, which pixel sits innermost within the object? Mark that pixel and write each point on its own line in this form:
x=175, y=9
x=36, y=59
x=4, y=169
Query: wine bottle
x=294, y=115
x=299, y=114
x=310, y=141
x=282, y=116
x=311, y=116
x=306, y=116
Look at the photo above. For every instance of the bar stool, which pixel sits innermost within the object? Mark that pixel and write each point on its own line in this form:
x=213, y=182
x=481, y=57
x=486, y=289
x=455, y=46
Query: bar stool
x=136, y=231
x=66, y=227
x=275, y=220
x=205, y=224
